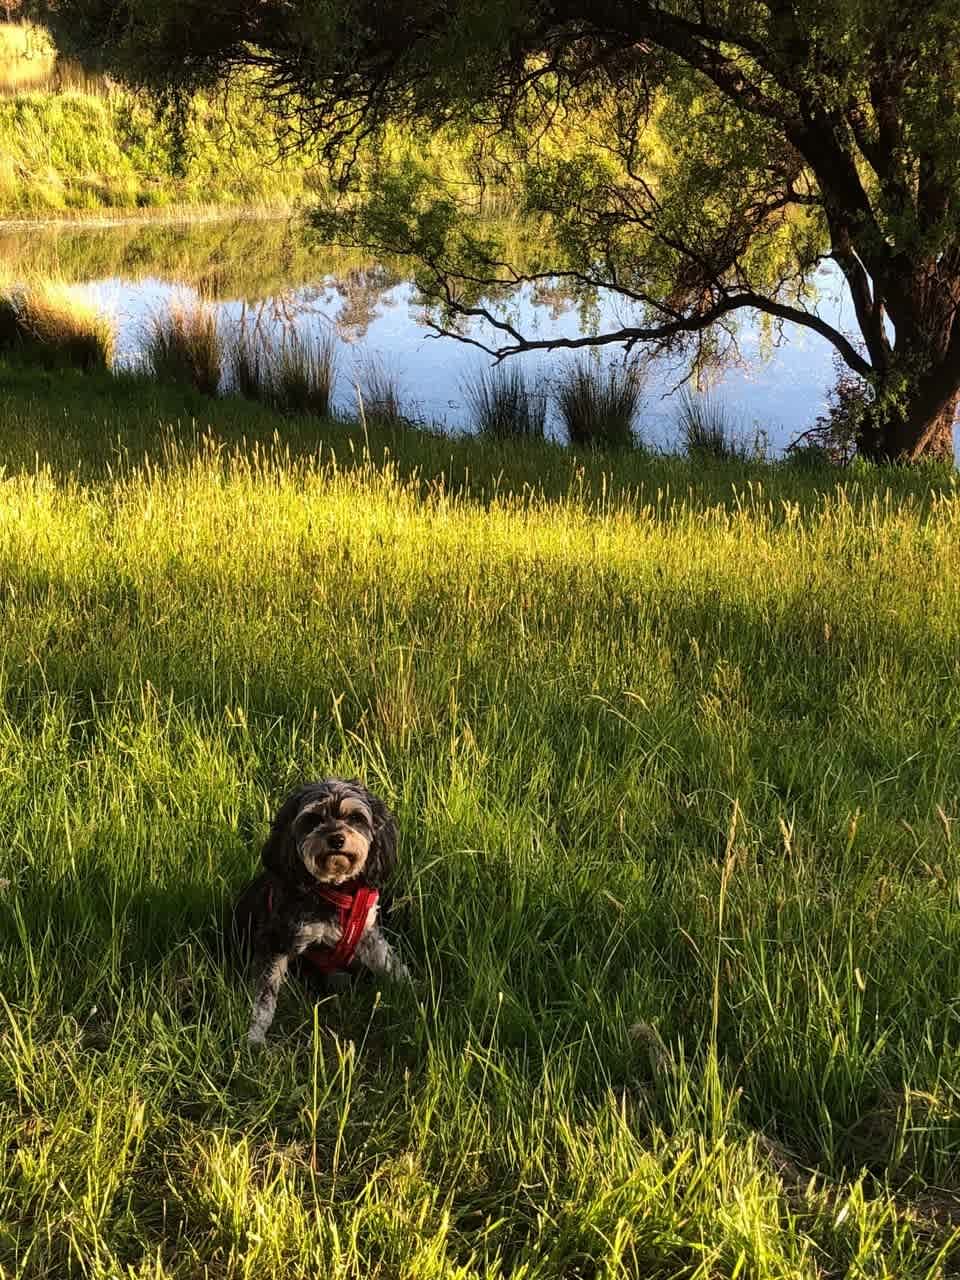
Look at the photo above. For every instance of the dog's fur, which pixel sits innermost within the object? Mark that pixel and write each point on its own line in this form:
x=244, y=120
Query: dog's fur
x=324, y=834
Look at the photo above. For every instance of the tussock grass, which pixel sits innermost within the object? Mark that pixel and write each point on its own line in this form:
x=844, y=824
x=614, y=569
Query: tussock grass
x=673, y=752
x=380, y=391
x=599, y=408
x=301, y=373
x=52, y=323
x=504, y=405
x=247, y=363
x=706, y=430
x=183, y=344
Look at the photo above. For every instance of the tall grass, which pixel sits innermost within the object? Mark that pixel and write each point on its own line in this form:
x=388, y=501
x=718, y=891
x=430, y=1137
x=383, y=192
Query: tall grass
x=380, y=393
x=600, y=408
x=248, y=363
x=672, y=751
x=184, y=344
x=706, y=430
x=504, y=405
x=301, y=373
x=55, y=324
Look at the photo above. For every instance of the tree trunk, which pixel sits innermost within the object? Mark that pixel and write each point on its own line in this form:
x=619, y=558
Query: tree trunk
x=922, y=430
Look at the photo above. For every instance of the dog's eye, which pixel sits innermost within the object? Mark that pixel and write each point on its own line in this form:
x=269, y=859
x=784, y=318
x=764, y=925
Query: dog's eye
x=306, y=823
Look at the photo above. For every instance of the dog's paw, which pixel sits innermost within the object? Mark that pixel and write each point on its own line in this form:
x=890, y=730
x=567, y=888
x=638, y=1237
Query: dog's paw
x=256, y=1037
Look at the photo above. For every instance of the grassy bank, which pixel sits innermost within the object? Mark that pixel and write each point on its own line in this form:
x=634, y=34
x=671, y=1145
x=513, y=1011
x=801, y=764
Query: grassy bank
x=77, y=152
x=673, y=751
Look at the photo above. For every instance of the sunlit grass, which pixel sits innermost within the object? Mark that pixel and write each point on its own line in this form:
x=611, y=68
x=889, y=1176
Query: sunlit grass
x=674, y=760
x=52, y=323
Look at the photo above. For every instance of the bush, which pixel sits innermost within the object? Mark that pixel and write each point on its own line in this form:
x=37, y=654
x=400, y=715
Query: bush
x=832, y=440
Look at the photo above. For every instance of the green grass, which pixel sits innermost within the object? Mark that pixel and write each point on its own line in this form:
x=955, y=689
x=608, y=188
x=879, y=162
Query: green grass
x=504, y=404
x=674, y=753
x=183, y=344
x=83, y=152
x=598, y=407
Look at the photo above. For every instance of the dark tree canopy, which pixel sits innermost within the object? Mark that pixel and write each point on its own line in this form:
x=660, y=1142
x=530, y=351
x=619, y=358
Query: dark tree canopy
x=697, y=157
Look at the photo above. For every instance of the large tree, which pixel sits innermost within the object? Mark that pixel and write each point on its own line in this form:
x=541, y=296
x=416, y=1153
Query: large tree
x=698, y=157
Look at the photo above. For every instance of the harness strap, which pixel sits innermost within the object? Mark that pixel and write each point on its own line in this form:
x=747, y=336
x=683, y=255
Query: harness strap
x=352, y=911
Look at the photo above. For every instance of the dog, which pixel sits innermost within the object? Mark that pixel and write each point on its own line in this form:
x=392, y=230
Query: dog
x=331, y=848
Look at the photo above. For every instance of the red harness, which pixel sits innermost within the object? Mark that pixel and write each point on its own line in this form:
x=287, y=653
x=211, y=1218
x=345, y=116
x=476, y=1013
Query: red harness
x=353, y=901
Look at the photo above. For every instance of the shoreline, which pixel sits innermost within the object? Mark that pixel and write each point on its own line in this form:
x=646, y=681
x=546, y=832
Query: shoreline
x=185, y=214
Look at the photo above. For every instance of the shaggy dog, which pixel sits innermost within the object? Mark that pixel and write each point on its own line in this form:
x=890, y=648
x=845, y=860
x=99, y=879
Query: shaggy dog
x=331, y=847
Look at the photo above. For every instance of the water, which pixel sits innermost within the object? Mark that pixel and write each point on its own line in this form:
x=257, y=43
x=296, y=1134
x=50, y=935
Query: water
x=265, y=272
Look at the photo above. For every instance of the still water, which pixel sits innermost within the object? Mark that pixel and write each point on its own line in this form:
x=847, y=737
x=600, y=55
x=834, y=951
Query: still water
x=266, y=272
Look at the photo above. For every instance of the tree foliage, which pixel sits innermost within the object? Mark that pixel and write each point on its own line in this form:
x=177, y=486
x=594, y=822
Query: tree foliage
x=696, y=157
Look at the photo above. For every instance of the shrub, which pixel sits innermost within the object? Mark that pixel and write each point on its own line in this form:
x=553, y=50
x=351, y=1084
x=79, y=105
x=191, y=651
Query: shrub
x=832, y=440
x=599, y=408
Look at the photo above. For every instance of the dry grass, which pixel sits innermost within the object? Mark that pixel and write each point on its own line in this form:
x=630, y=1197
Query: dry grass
x=54, y=323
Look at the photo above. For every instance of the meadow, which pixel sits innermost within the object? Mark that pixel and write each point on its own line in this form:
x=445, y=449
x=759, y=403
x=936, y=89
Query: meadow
x=673, y=750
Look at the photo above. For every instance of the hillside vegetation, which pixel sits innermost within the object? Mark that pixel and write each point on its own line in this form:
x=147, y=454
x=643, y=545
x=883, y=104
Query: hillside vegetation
x=673, y=752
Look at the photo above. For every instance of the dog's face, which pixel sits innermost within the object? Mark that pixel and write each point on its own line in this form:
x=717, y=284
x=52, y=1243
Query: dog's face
x=333, y=835
x=329, y=832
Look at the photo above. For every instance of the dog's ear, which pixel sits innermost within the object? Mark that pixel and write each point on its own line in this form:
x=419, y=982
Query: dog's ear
x=382, y=858
x=279, y=850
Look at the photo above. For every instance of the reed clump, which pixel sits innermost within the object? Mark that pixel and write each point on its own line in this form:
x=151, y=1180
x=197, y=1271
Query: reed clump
x=52, y=323
x=184, y=344
x=505, y=404
x=599, y=408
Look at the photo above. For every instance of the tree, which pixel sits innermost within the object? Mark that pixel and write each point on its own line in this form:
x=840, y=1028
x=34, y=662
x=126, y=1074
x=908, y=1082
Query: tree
x=698, y=157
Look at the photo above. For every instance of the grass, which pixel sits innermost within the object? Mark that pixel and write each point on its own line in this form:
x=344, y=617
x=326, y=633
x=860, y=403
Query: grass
x=599, y=408
x=705, y=429
x=79, y=151
x=301, y=372
x=673, y=752
x=183, y=344
x=503, y=406
x=380, y=394
x=52, y=323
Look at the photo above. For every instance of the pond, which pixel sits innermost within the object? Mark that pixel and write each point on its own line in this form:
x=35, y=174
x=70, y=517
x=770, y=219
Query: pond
x=265, y=271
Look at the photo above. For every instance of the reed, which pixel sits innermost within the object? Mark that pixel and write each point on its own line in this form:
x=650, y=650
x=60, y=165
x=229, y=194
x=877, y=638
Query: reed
x=504, y=405
x=599, y=408
x=184, y=344
x=53, y=323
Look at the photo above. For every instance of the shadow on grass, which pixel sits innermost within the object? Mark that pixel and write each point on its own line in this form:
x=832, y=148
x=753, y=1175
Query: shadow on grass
x=97, y=425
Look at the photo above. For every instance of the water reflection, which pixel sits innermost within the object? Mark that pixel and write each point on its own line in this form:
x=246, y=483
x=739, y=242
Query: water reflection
x=266, y=273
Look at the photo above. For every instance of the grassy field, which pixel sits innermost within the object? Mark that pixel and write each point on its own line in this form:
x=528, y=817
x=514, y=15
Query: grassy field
x=673, y=751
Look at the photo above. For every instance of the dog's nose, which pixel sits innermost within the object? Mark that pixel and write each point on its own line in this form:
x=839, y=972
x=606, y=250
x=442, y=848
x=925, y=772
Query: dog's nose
x=335, y=841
